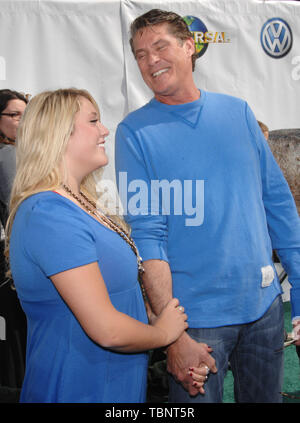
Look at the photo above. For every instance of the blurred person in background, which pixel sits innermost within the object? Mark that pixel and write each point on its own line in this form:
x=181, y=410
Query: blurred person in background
x=13, y=321
x=264, y=128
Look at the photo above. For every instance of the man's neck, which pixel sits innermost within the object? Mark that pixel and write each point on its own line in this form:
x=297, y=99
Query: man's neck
x=180, y=97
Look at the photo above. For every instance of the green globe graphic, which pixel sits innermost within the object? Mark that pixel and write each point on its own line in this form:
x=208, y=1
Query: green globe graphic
x=196, y=25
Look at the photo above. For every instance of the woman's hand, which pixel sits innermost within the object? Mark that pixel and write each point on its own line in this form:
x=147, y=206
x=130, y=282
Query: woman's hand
x=199, y=376
x=172, y=320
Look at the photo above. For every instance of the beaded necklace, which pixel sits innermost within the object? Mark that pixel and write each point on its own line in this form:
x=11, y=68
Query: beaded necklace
x=6, y=140
x=112, y=225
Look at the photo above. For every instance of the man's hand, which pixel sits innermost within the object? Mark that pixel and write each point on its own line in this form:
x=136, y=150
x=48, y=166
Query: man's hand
x=186, y=353
x=296, y=332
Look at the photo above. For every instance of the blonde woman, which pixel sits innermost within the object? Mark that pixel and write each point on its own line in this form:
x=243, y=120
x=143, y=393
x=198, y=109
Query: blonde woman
x=74, y=269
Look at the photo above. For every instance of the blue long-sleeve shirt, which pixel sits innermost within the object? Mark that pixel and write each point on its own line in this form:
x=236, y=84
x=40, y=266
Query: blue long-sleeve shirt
x=202, y=191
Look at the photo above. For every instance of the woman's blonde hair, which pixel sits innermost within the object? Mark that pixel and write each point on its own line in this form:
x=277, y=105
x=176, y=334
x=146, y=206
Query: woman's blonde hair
x=42, y=137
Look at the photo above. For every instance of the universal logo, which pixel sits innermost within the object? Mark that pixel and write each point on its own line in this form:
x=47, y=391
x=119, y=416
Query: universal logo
x=276, y=38
x=202, y=36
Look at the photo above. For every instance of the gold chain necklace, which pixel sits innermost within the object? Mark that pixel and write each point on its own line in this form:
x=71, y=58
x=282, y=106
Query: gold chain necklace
x=112, y=225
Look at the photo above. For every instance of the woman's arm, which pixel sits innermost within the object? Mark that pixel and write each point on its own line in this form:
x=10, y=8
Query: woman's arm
x=84, y=291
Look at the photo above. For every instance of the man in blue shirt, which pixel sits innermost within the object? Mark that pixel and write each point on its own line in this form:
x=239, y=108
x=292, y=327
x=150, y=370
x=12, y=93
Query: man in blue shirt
x=212, y=205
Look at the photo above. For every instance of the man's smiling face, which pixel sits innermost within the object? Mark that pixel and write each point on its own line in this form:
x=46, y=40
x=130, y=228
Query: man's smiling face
x=164, y=61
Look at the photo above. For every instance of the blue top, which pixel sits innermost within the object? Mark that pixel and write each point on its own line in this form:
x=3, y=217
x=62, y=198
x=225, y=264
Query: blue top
x=223, y=205
x=51, y=234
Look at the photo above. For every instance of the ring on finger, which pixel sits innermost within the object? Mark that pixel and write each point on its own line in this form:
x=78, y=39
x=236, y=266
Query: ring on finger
x=207, y=370
x=180, y=308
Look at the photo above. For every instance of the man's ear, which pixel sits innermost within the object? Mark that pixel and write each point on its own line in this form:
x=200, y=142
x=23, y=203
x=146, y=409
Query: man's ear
x=190, y=46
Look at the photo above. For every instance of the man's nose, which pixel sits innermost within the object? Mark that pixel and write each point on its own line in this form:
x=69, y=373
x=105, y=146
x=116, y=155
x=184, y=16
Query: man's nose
x=153, y=58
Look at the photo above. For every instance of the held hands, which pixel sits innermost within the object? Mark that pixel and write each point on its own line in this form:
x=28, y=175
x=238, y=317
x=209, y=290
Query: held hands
x=199, y=376
x=188, y=361
x=172, y=321
x=185, y=354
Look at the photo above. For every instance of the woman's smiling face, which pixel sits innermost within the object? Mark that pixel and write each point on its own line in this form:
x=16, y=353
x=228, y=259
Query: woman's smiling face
x=85, y=150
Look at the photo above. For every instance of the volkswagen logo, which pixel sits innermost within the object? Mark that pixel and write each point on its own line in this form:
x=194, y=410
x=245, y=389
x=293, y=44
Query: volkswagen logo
x=276, y=38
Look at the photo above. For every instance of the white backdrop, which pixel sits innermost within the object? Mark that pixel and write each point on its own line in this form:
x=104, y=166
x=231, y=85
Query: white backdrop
x=59, y=44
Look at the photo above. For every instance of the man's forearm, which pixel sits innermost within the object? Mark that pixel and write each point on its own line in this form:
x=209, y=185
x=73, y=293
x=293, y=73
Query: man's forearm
x=185, y=352
x=157, y=281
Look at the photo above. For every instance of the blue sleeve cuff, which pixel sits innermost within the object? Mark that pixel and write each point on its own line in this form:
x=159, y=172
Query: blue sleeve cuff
x=152, y=250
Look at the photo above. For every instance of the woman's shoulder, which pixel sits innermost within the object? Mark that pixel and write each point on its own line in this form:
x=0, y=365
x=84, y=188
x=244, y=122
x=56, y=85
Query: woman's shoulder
x=45, y=199
x=49, y=218
x=49, y=205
